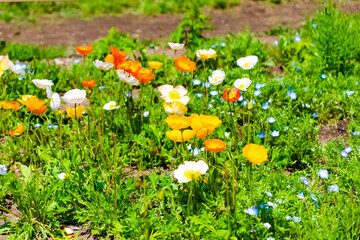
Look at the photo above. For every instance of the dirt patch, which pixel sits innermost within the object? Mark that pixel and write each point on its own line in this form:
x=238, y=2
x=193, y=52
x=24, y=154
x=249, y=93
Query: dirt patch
x=333, y=130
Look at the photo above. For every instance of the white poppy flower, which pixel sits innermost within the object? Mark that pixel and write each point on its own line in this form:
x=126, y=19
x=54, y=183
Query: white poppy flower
x=175, y=108
x=111, y=105
x=242, y=84
x=126, y=77
x=62, y=176
x=103, y=65
x=74, y=96
x=206, y=54
x=217, y=77
x=176, y=46
x=43, y=84
x=171, y=94
x=69, y=230
x=247, y=62
x=190, y=171
x=55, y=102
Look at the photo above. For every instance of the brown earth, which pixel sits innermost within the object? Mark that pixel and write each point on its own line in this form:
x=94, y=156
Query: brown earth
x=333, y=130
x=258, y=16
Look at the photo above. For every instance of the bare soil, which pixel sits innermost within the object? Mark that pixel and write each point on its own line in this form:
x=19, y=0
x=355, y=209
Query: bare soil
x=332, y=131
x=258, y=16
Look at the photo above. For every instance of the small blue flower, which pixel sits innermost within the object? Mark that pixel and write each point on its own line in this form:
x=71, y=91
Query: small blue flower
x=261, y=135
x=252, y=211
x=76, y=61
x=199, y=95
x=333, y=188
x=271, y=120
x=301, y=195
x=265, y=105
x=3, y=169
x=349, y=93
x=268, y=193
x=296, y=219
x=252, y=101
x=314, y=25
x=313, y=197
x=146, y=113
x=240, y=98
x=152, y=46
x=196, y=82
x=275, y=133
x=315, y=115
x=52, y=126
x=297, y=39
x=316, y=205
x=210, y=106
x=297, y=68
x=323, y=76
x=344, y=154
x=280, y=201
x=195, y=152
x=356, y=133
x=257, y=92
x=323, y=173
x=213, y=46
x=214, y=93
x=292, y=95
x=286, y=128
x=304, y=181
x=227, y=134
x=20, y=78
x=222, y=44
x=101, y=87
x=244, y=103
x=206, y=84
x=278, y=79
x=259, y=85
x=288, y=217
x=276, y=42
x=293, y=63
x=37, y=125
x=270, y=238
x=348, y=149
x=128, y=94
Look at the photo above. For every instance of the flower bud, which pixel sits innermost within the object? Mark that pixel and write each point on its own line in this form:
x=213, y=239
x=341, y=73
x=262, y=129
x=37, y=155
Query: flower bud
x=250, y=106
x=161, y=194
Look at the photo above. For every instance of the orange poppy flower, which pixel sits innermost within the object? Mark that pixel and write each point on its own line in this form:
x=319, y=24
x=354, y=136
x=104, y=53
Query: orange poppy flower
x=255, y=153
x=144, y=75
x=231, y=94
x=89, y=84
x=2, y=104
x=118, y=54
x=18, y=131
x=155, y=64
x=130, y=66
x=110, y=59
x=34, y=104
x=214, y=145
x=12, y=105
x=184, y=64
x=85, y=50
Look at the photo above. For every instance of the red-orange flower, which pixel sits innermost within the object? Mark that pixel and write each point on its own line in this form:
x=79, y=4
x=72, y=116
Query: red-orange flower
x=12, y=105
x=144, y=75
x=231, y=94
x=90, y=83
x=130, y=66
x=184, y=64
x=214, y=145
x=34, y=104
x=18, y=131
x=118, y=54
x=85, y=50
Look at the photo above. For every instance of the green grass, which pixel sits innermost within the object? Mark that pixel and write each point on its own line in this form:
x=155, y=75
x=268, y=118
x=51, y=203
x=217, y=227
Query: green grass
x=101, y=197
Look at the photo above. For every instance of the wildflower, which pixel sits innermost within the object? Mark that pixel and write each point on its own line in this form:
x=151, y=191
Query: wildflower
x=63, y=176
x=242, y=84
x=247, y=63
x=184, y=64
x=257, y=93
x=314, y=25
x=34, y=104
x=292, y=95
x=297, y=39
x=344, y=154
x=265, y=105
x=267, y=225
x=171, y=94
x=52, y=126
x=180, y=136
x=349, y=93
x=206, y=54
x=196, y=82
x=204, y=124
x=11, y=105
x=111, y=105
x=259, y=85
x=348, y=149
x=227, y=134
x=90, y=83
x=206, y=85
x=214, y=93
x=55, y=102
x=84, y=50
x=37, y=125
x=217, y=77
x=144, y=75
x=75, y=112
x=275, y=133
x=333, y=188
x=356, y=133
x=146, y=113
x=103, y=65
x=275, y=42
x=296, y=219
x=323, y=173
x=74, y=96
x=190, y=171
x=323, y=76
x=3, y=169
x=301, y=195
x=270, y=238
x=43, y=84
x=288, y=217
x=252, y=211
x=214, y=145
x=116, y=57
x=101, y=87
x=126, y=77
x=315, y=115
x=231, y=94
x=304, y=180
x=261, y=135
x=130, y=66
x=255, y=153
x=195, y=151
x=176, y=46
x=313, y=197
x=18, y=131
x=271, y=120
x=155, y=64
x=268, y=193
x=175, y=107
x=222, y=44
x=176, y=122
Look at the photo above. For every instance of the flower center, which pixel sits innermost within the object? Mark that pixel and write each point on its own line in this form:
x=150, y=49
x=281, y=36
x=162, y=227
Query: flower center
x=247, y=64
x=190, y=174
x=215, y=79
x=174, y=95
x=242, y=86
x=112, y=106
